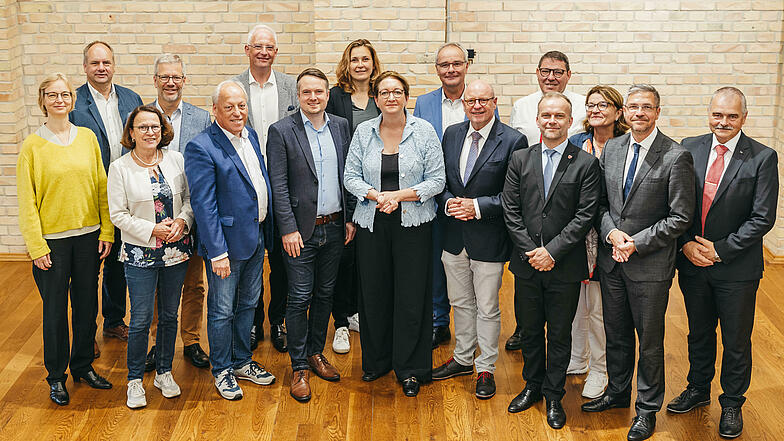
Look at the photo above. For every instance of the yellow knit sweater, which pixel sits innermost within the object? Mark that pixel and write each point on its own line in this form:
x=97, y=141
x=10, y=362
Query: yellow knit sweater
x=61, y=188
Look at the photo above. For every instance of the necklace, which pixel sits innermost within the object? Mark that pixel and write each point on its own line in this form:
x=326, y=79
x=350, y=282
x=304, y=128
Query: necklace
x=155, y=161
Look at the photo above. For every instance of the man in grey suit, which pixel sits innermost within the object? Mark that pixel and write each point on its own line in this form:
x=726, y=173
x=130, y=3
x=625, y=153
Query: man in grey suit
x=272, y=96
x=187, y=121
x=647, y=203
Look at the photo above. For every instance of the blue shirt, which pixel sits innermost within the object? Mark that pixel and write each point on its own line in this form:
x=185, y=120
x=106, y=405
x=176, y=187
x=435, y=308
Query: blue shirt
x=559, y=149
x=325, y=158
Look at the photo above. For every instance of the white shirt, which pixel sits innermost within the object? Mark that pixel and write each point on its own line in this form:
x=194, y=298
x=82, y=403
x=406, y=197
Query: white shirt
x=524, y=112
x=110, y=116
x=264, y=107
x=484, y=132
x=452, y=112
x=731, y=144
x=176, y=122
x=645, y=145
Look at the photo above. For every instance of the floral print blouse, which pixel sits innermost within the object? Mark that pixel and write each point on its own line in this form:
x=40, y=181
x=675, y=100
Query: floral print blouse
x=164, y=253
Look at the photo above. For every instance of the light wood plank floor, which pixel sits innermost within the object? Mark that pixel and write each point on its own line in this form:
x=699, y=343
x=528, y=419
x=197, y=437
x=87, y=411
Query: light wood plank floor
x=352, y=409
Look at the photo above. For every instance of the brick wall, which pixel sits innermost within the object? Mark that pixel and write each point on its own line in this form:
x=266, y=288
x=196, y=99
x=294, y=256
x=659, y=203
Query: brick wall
x=686, y=49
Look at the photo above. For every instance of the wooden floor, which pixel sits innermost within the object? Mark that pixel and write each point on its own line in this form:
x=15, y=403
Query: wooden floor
x=352, y=409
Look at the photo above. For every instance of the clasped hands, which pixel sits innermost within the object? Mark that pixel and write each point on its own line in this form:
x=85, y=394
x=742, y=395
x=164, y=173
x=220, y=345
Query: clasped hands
x=461, y=208
x=169, y=230
x=540, y=259
x=700, y=251
x=386, y=201
x=623, y=246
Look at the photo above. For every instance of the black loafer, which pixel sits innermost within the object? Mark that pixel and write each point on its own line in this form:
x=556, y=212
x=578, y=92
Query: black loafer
x=642, y=427
x=93, y=380
x=605, y=402
x=451, y=369
x=256, y=334
x=688, y=400
x=731, y=422
x=441, y=334
x=373, y=376
x=485, y=386
x=278, y=336
x=411, y=387
x=58, y=393
x=149, y=362
x=524, y=400
x=556, y=416
x=196, y=355
x=514, y=342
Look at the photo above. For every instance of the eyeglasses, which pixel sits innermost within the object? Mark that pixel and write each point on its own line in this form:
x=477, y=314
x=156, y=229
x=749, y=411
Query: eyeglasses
x=260, y=47
x=545, y=72
x=647, y=108
x=445, y=65
x=385, y=94
x=602, y=105
x=176, y=78
x=52, y=96
x=147, y=129
x=482, y=101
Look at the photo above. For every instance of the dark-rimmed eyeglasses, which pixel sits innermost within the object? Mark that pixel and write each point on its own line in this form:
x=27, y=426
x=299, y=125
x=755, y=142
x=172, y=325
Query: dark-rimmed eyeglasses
x=545, y=72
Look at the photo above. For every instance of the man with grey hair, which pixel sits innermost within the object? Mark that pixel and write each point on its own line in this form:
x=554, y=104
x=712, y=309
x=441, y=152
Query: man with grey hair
x=272, y=96
x=647, y=204
x=232, y=204
x=187, y=121
x=721, y=263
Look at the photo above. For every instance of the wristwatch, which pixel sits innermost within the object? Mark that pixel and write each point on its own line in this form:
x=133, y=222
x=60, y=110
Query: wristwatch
x=716, y=257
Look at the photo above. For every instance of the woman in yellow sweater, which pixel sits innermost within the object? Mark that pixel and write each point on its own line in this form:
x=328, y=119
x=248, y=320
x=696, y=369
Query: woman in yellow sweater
x=64, y=219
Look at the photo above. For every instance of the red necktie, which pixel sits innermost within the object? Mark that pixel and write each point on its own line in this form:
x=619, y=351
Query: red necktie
x=712, y=182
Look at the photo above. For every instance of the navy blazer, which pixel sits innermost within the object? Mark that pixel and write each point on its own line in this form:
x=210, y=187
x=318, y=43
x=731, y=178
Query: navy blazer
x=223, y=198
x=743, y=209
x=484, y=239
x=85, y=114
x=293, y=173
x=428, y=107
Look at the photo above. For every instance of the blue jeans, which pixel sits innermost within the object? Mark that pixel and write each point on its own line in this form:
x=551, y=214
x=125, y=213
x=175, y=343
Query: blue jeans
x=312, y=278
x=142, y=286
x=231, y=303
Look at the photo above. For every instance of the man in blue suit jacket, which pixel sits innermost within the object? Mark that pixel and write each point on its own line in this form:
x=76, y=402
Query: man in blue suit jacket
x=103, y=107
x=232, y=203
x=476, y=243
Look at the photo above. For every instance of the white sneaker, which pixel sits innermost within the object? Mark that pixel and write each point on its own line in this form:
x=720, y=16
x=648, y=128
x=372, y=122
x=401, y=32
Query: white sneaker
x=595, y=383
x=136, y=396
x=576, y=368
x=165, y=382
x=254, y=372
x=353, y=322
x=340, y=344
x=227, y=385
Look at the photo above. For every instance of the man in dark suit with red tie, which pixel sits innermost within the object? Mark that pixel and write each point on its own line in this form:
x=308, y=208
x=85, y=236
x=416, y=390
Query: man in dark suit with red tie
x=720, y=262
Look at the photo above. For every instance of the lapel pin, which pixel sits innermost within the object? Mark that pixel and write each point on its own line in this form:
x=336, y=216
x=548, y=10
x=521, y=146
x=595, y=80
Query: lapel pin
x=569, y=157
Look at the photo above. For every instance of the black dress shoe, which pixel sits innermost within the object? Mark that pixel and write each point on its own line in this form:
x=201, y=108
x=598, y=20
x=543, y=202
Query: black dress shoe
x=688, y=400
x=278, y=336
x=149, y=362
x=642, y=427
x=451, y=369
x=373, y=376
x=514, y=342
x=603, y=403
x=58, y=393
x=441, y=334
x=731, y=422
x=485, y=386
x=524, y=400
x=256, y=334
x=411, y=387
x=556, y=417
x=93, y=380
x=195, y=354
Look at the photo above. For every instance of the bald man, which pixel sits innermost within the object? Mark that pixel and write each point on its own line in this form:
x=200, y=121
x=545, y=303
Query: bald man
x=475, y=240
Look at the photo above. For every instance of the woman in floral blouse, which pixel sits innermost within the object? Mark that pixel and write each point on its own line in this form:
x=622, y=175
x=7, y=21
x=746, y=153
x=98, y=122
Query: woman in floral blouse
x=150, y=203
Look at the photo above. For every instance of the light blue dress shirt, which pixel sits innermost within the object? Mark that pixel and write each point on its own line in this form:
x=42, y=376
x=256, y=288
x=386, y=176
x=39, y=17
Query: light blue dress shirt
x=556, y=157
x=325, y=158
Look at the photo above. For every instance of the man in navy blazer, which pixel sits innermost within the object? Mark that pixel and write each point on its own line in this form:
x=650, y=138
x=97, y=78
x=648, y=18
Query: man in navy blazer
x=476, y=243
x=720, y=262
x=232, y=203
x=103, y=107
x=307, y=154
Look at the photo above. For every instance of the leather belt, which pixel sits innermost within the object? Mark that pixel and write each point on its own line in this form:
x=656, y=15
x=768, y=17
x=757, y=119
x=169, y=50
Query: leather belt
x=321, y=220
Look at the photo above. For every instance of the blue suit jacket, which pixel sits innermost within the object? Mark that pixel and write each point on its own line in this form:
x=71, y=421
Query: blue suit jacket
x=428, y=107
x=484, y=239
x=223, y=197
x=85, y=114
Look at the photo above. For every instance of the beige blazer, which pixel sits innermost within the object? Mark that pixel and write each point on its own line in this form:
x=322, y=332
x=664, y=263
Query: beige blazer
x=131, y=204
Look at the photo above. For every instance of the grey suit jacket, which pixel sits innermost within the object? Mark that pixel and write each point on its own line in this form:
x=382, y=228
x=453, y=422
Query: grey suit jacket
x=194, y=121
x=287, y=94
x=659, y=208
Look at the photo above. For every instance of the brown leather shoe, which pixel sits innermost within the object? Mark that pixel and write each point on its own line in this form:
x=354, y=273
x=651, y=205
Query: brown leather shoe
x=120, y=331
x=96, y=350
x=319, y=364
x=300, y=386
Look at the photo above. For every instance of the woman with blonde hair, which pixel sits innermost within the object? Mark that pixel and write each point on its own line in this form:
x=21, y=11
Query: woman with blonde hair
x=64, y=219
